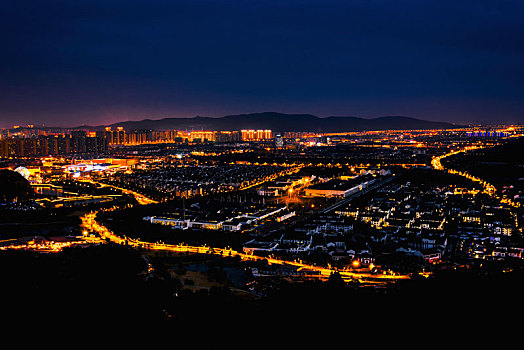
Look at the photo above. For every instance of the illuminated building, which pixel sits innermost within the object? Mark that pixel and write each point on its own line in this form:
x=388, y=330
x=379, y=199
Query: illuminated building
x=120, y=135
x=202, y=136
x=256, y=135
x=228, y=136
x=285, y=216
x=78, y=141
x=4, y=148
x=43, y=145
x=115, y=137
x=247, y=134
x=108, y=134
x=139, y=136
x=279, y=141
x=339, y=188
x=483, y=133
x=23, y=171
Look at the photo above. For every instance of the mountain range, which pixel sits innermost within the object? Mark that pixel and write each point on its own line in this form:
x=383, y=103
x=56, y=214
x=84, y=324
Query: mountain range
x=281, y=122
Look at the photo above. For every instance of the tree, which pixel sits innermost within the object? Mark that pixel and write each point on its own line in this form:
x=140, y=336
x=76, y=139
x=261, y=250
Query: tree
x=14, y=187
x=335, y=280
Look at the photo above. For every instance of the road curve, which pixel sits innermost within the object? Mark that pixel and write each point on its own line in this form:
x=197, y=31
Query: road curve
x=89, y=223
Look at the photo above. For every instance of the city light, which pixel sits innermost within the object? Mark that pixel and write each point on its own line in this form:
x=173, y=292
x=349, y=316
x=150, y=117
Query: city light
x=240, y=174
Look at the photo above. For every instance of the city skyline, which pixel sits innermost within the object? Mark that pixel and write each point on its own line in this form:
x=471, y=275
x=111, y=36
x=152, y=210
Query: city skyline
x=68, y=64
x=179, y=225
x=260, y=173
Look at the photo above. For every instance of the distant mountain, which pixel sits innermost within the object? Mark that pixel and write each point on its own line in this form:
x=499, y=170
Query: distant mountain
x=283, y=122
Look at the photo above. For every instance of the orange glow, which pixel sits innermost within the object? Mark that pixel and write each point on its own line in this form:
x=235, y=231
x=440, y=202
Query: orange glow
x=89, y=222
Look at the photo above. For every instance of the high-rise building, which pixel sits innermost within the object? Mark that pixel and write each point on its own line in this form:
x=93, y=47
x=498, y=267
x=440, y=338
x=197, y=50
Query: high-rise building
x=108, y=134
x=53, y=144
x=120, y=136
x=4, y=148
x=78, y=141
x=64, y=144
x=202, y=136
x=256, y=135
x=43, y=145
x=96, y=144
x=279, y=141
x=30, y=146
x=228, y=136
x=114, y=137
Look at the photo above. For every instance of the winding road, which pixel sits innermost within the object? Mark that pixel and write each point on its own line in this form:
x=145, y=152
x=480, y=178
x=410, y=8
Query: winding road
x=488, y=188
x=90, y=223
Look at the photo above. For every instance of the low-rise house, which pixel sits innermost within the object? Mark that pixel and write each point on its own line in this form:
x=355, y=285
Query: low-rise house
x=515, y=252
x=339, y=257
x=285, y=215
x=365, y=258
x=234, y=225
x=293, y=248
x=431, y=255
x=268, y=192
x=411, y=252
x=259, y=246
x=175, y=222
x=499, y=252
x=318, y=243
x=296, y=237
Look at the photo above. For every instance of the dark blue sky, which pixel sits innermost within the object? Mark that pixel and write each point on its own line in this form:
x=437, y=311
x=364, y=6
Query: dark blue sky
x=96, y=62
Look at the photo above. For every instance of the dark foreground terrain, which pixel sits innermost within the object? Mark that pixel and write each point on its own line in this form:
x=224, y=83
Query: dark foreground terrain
x=102, y=291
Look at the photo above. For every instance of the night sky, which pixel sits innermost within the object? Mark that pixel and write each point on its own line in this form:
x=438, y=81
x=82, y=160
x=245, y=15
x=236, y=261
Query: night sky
x=96, y=62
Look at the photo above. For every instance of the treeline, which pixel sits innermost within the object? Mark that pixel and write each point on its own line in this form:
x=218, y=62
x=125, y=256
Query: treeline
x=106, y=288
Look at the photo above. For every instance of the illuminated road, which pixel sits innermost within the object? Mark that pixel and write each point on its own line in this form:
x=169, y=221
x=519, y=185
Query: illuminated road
x=48, y=246
x=294, y=169
x=140, y=198
x=436, y=161
x=89, y=223
x=488, y=188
